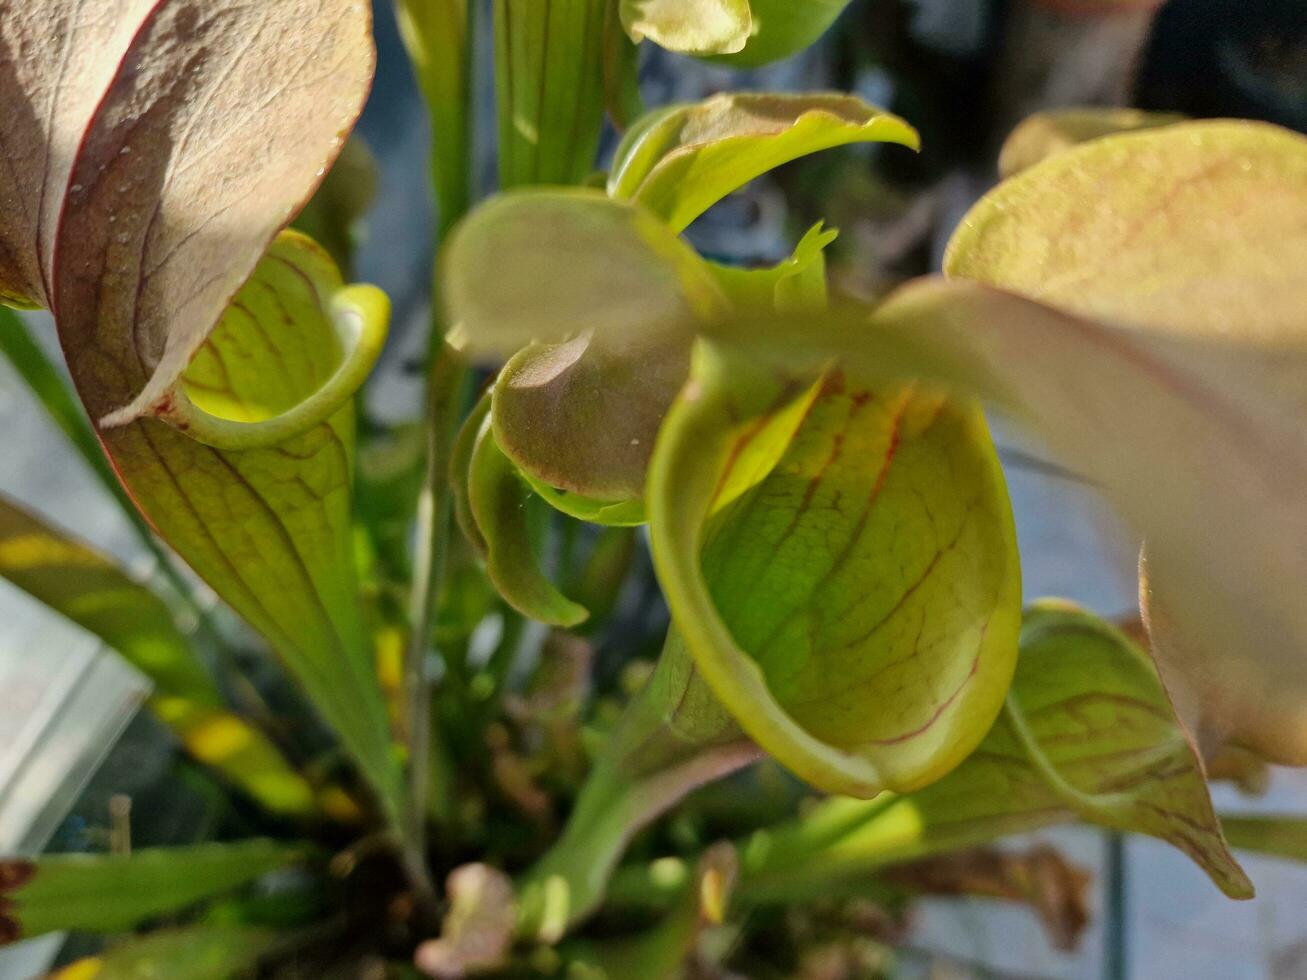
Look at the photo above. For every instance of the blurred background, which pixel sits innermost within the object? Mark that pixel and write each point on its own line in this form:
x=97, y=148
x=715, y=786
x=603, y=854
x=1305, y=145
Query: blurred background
x=73, y=747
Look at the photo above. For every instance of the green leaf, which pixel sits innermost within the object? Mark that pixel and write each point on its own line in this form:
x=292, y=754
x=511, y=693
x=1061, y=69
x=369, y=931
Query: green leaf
x=686, y=158
x=207, y=952
x=1188, y=416
x=581, y=416
x=609, y=513
x=436, y=34
x=578, y=414
x=270, y=529
x=497, y=498
x=88, y=588
x=794, y=285
x=1279, y=836
x=1048, y=133
x=567, y=261
x=1087, y=733
x=782, y=28
x=857, y=610
x=84, y=585
x=550, y=87
x=673, y=737
x=689, y=26
x=116, y=893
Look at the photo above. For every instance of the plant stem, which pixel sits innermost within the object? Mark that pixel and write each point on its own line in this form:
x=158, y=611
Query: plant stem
x=439, y=37
x=447, y=384
x=657, y=755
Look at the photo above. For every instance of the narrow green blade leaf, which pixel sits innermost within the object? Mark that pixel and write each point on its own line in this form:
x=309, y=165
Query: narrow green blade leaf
x=857, y=610
x=116, y=893
x=436, y=33
x=205, y=952
x=689, y=157
x=1279, y=836
x=1088, y=733
x=549, y=76
x=88, y=588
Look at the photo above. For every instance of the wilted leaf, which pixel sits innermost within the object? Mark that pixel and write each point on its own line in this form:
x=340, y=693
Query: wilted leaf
x=204, y=952
x=550, y=87
x=1053, y=887
x=477, y=932
x=689, y=26
x=1194, y=236
x=84, y=585
x=684, y=159
x=116, y=893
x=1088, y=733
x=1048, y=133
x=857, y=610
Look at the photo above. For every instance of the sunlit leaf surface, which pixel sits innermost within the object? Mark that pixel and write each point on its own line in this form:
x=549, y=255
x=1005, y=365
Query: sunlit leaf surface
x=683, y=159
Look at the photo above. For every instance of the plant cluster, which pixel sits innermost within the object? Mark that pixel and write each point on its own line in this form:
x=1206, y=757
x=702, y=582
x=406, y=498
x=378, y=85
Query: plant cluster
x=850, y=703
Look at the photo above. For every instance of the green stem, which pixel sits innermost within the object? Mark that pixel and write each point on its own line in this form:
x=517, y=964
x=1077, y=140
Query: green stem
x=658, y=754
x=438, y=35
x=446, y=386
